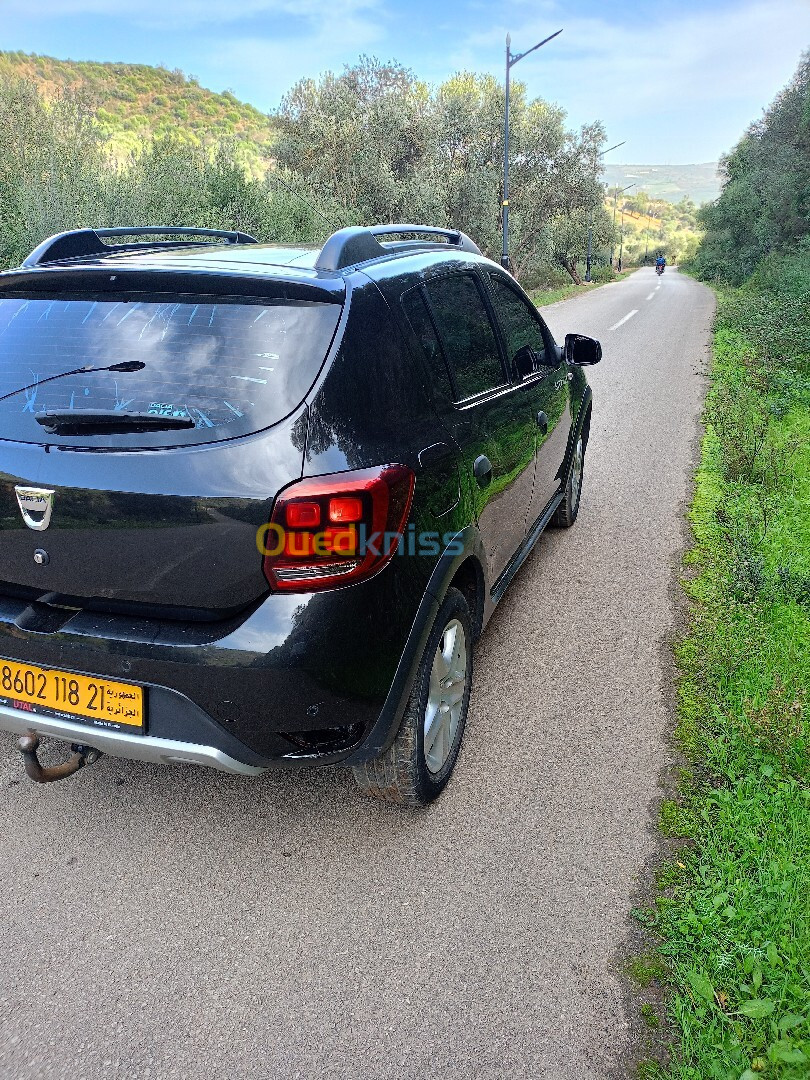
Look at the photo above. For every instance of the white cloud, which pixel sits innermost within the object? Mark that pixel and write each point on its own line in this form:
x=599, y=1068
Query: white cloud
x=192, y=13
x=263, y=69
x=705, y=71
x=677, y=87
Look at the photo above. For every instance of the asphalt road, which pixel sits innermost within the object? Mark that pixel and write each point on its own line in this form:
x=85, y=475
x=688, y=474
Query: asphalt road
x=164, y=923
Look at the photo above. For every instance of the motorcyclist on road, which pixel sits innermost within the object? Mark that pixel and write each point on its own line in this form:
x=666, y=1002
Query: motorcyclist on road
x=660, y=262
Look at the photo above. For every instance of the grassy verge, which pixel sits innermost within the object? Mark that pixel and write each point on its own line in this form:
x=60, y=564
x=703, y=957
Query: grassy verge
x=544, y=297
x=732, y=916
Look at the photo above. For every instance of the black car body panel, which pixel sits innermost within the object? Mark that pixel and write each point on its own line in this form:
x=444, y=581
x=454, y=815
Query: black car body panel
x=152, y=573
x=174, y=529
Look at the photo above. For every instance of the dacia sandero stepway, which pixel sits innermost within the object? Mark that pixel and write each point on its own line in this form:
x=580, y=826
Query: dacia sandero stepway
x=257, y=502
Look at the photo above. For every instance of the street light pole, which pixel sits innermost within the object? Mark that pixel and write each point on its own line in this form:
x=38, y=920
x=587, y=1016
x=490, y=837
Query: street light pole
x=505, y=203
x=590, y=223
x=616, y=193
x=621, y=244
x=511, y=60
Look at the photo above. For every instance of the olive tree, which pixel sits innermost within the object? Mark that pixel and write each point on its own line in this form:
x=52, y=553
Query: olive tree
x=51, y=165
x=384, y=146
x=368, y=145
x=358, y=139
x=56, y=173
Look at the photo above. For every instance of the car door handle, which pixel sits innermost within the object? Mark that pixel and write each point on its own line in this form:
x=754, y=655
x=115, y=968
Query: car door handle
x=542, y=422
x=482, y=471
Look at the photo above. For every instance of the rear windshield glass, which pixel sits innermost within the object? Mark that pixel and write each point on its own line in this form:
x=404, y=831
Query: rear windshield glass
x=231, y=367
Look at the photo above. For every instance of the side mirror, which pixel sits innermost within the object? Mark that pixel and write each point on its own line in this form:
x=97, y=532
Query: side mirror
x=581, y=350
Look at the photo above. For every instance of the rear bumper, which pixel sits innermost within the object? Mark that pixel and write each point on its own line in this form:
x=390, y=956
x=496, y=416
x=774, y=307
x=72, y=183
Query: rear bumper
x=124, y=745
x=300, y=680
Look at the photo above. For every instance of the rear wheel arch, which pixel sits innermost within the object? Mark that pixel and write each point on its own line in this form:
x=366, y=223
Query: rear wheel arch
x=469, y=580
x=462, y=570
x=416, y=766
x=586, y=425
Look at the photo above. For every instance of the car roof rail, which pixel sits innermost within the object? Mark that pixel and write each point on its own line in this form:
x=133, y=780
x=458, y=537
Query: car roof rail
x=79, y=243
x=360, y=243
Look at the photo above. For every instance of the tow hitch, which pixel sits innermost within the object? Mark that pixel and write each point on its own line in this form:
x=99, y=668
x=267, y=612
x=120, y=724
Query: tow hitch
x=47, y=774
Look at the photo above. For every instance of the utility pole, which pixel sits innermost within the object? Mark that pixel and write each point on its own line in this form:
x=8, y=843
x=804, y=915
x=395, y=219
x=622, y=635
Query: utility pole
x=616, y=194
x=511, y=60
x=621, y=244
x=590, y=223
x=647, y=236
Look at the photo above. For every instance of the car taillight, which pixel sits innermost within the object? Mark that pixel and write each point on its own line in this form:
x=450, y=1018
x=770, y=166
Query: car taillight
x=329, y=531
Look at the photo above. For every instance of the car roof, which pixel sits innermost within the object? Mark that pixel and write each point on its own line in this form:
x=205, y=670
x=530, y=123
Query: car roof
x=344, y=249
x=82, y=259
x=260, y=259
x=239, y=258
x=196, y=267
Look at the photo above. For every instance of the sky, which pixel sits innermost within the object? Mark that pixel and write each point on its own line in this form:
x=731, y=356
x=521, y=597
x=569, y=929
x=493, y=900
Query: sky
x=677, y=81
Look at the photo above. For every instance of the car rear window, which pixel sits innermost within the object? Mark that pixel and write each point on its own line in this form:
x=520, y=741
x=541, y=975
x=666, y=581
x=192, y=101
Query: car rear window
x=232, y=367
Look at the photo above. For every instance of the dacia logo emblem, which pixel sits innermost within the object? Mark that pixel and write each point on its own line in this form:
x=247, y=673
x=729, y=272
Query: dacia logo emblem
x=36, y=507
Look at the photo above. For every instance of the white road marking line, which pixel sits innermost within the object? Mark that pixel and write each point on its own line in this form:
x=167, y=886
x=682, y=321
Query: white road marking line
x=657, y=287
x=624, y=320
x=652, y=294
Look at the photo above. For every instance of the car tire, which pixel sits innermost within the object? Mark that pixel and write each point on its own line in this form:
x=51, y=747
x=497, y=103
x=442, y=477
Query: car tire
x=418, y=764
x=566, y=513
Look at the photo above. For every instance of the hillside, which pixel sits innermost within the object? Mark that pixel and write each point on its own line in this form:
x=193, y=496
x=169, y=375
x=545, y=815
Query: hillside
x=646, y=226
x=134, y=102
x=700, y=183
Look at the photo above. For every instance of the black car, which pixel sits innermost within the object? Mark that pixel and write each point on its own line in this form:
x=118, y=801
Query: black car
x=257, y=501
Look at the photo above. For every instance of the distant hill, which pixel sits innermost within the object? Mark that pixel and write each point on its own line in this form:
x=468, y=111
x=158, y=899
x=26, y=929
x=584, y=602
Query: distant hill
x=136, y=102
x=700, y=183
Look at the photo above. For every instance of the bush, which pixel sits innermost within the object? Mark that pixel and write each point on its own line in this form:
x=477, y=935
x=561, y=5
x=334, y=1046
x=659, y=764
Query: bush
x=55, y=174
x=545, y=278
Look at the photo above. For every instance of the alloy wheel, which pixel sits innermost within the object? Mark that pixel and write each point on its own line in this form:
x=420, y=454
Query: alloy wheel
x=576, y=474
x=448, y=680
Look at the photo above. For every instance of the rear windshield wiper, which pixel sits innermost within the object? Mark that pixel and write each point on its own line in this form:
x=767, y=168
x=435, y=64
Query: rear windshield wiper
x=126, y=365
x=105, y=422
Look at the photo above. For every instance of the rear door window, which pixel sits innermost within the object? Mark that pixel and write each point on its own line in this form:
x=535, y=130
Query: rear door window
x=232, y=367
x=416, y=310
x=467, y=334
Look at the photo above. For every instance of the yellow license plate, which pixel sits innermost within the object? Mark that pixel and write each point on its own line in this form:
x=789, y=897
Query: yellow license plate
x=62, y=693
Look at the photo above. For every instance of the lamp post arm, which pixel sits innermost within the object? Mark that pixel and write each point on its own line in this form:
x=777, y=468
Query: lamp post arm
x=519, y=56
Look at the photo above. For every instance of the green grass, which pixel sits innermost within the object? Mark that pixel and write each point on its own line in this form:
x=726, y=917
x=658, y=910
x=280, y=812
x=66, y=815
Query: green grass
x=649, y=1015
x=544, y=297
x=645, y=969
x=732, y=917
